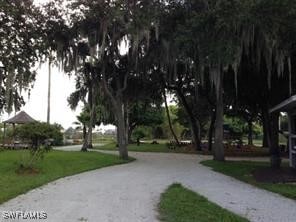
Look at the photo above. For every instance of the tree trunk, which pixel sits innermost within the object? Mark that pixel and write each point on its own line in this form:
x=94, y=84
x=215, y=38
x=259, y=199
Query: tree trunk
x=92, y=110
x=127, y=123
x=196, y=135
x=169, y=118
x=272, y=123
x=89, y=144
x=218, y=148
x=195, y=125
x=84, y=132
x=85, y=138
x=121, y=132
x=84, y=145
x=250, y=132
x=89, y=138
x=129, y=139
x=265, y=131
x=130, y=132
x=211, y=130
x=275, y=158
x=116, y=99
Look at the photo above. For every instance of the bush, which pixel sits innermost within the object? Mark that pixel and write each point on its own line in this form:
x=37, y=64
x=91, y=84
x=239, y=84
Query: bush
x=40, y=134
x=140, y=133
x=29, y=160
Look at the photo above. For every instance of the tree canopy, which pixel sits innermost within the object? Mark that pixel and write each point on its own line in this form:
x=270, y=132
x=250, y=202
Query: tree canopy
x=21, y=46
x=126, y=54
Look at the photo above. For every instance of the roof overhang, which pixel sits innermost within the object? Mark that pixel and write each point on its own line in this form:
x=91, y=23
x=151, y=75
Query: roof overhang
x=285, y=106
x=20, y=118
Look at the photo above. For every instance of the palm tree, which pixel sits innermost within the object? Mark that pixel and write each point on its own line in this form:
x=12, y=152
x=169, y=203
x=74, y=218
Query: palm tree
x=84, y=93
x=83, y=120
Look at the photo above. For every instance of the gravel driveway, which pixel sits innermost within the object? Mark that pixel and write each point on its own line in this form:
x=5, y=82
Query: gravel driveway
x=130, y=192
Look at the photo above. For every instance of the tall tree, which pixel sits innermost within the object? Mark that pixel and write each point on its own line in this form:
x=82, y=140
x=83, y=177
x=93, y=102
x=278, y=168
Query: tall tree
x=144, y=114
x=86, y=92
x=83, y=119
x=103, y=26
x=169, y=118
x=215, y=35
x=21, y=46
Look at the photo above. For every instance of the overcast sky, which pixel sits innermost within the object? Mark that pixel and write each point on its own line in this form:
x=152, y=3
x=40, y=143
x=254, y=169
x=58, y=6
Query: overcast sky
x=61, y=87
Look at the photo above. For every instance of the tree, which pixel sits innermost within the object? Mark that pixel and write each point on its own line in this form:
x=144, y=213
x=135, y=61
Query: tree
x=215, y=35
x=86, y=83
x=143, y=100
x=21, y=46
x=211, y=40
x=169, y=118
x=117, y=22
x=37, y=133
x=83, y=119
x=144, y=114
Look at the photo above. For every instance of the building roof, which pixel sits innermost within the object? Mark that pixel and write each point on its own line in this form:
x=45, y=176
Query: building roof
x=20, y=118
x=285, y=106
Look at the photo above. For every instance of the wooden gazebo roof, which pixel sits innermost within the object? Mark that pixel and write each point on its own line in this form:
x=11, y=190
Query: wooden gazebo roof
x=20, y=118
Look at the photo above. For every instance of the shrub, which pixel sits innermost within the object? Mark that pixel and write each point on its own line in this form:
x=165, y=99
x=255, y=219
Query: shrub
x=29, y=160
x=40, y=134
x=139, y=133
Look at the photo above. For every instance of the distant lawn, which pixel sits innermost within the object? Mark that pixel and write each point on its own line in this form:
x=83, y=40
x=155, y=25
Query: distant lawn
x=103, y=139
x=242, y=170
x=163, y=148
x=179, y=204
x=55, y=164
x=144, y=147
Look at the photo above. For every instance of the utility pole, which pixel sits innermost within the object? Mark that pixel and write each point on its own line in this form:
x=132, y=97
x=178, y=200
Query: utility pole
x=48, y=90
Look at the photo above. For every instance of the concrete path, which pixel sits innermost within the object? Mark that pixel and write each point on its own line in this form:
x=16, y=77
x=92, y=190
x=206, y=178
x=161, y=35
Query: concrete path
x=74, y=147
x=130, y=192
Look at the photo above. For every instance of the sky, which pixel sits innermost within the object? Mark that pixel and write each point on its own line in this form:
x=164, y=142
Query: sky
x=61, y=87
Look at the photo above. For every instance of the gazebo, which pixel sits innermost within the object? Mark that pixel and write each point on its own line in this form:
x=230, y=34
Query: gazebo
x=20, y=118
x=289, y=106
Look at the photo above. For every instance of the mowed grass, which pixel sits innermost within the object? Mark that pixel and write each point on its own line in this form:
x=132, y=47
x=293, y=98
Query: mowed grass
x=144, y=147
x=56, y=164
x=242, y=170
x=178, y=204
x=163, y=148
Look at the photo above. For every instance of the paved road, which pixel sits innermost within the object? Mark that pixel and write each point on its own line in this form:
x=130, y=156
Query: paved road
x=73, y=147
x=130, y=193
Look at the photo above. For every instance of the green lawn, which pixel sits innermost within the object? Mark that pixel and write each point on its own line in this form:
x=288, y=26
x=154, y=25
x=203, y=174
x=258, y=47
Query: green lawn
x=258, y=142
x=242, y=170
x=56, y=164
x=103, y=139
x=179, y=204
x=145, y=147
x=162, y=147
